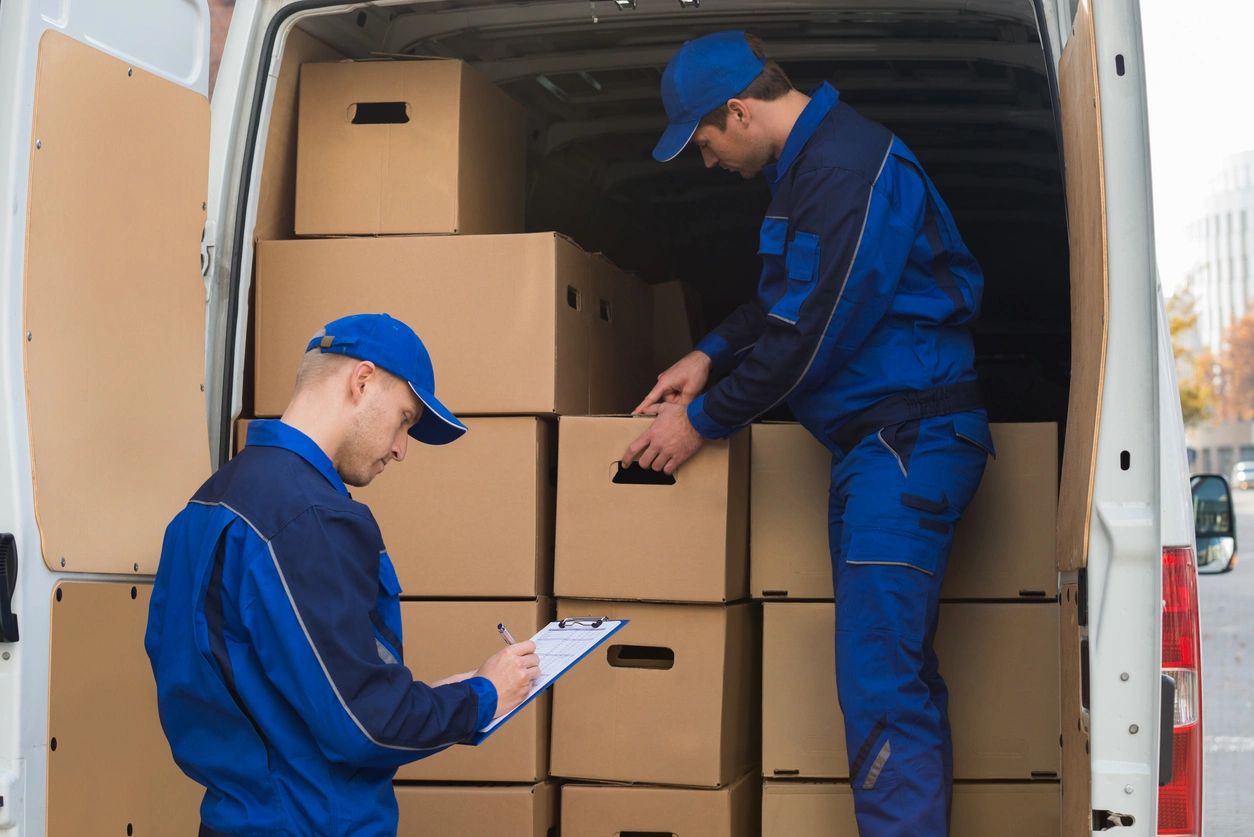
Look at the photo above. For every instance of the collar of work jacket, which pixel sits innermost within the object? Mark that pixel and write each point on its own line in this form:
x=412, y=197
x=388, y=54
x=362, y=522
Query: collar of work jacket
x=822, y=100
x=273, y=433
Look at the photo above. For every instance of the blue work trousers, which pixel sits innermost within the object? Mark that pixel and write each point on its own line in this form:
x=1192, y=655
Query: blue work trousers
x=894, y=500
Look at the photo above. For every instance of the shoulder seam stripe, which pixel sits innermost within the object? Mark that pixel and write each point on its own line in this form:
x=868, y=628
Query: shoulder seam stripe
x=326, y=673
x=818, y=344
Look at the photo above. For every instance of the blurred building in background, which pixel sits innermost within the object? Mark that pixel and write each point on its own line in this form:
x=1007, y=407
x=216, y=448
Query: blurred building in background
x=1222, y=271
x=1221, y=283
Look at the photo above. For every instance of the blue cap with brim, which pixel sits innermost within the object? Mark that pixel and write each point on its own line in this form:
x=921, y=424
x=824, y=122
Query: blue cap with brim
x=702, y=76
x=393, y=346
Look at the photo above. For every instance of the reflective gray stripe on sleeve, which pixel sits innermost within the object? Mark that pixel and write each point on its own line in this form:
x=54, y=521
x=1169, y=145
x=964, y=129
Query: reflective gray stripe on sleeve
x=385, y=654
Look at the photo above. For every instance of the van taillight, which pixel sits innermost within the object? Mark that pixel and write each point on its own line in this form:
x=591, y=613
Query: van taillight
x=1180, y=801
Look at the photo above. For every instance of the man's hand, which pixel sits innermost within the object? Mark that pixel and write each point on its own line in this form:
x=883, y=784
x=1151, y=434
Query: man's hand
x=512, y=670
x=669, y=442
x=679, y=384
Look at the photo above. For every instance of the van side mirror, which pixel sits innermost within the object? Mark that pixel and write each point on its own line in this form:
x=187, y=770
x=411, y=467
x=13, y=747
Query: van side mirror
x=1214, y=525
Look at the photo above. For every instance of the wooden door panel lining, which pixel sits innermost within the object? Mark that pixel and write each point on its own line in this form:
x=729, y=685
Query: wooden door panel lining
x=114, y=306
x=111, y=766
x=1090, y=296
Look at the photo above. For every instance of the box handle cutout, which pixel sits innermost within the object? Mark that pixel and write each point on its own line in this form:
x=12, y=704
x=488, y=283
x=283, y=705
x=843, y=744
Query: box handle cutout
x=606, y=311
x=633, y=474
x=573, y=298
x=378, y=113
x=640, y=656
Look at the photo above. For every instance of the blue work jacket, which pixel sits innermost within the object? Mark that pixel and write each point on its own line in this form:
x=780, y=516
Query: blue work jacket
x=867, y=290
x=275, y=639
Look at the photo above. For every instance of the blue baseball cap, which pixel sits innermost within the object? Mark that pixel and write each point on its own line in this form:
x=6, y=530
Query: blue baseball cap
x=702, y=76
x=393, y=346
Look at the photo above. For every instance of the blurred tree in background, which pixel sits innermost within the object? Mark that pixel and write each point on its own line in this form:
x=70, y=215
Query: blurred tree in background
x=1195, y=373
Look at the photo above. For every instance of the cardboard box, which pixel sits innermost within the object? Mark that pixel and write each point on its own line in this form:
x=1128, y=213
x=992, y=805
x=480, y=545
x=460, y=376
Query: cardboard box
x=470, y=811
x=241, y=435
x=407, y=147
x=474, y=518
x=672, y=700
x=680, y=542
x=521, y=324
x=1003, y=546
x=795, y=809
x=672, y=330
x=613, y=810
x=443, y=638
x=1000, y=663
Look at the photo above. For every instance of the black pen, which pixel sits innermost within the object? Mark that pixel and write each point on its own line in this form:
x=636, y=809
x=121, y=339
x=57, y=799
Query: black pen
x=505, y=634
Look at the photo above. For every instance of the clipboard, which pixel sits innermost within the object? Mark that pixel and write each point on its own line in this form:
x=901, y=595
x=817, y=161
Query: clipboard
x=560, y=645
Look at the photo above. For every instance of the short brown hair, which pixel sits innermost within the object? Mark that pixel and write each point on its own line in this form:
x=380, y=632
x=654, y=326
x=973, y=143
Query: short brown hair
x=770, y=84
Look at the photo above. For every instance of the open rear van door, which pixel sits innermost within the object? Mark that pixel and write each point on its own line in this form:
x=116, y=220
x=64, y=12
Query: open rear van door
x=104, y=160
x=1123, y=524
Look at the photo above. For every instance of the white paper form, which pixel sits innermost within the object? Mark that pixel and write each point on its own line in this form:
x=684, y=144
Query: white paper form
x=559, y=648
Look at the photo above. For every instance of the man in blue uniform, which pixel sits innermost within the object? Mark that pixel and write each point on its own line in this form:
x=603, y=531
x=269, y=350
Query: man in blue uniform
x=275, y=627
x=862, y=326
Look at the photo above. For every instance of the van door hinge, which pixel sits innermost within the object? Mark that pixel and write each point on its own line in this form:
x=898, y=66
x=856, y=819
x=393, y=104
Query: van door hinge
x=208, y=243
x=1106, y=820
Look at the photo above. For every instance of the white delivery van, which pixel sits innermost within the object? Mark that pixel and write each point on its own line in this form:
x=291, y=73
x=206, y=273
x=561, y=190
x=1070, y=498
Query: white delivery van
x=131, y=210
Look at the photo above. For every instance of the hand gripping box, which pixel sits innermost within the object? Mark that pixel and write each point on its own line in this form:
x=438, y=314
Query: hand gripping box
x=671, y=699
x=515, y=324
x=386, y=147
x=634, y=534
x=1000, y=662
x=805, y=809
x=445, y=638
x=1003, y=545
x=477, y=811
x=614, y=810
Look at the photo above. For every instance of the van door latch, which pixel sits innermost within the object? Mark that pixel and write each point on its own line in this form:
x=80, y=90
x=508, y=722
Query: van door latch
x=208, y=243
x=8, y=586
x=1106, y=820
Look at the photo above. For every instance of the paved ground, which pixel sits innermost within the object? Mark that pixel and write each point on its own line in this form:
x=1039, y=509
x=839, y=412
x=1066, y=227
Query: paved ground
x=1228, y=685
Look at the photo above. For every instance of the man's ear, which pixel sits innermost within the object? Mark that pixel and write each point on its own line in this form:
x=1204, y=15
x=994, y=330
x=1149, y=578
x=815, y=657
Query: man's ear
x=738, y=112
x=363, y=372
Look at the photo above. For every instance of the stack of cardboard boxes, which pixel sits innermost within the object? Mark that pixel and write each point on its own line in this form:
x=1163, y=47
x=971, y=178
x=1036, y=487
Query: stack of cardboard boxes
x=409, y=200
x=998, y=635
x=669, y=711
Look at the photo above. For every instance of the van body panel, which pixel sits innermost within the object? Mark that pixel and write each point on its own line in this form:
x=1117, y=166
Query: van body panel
x=180, y=56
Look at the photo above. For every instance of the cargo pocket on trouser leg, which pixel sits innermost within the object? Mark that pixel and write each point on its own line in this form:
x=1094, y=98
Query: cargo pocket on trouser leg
x=895, y=734
x=899, y=439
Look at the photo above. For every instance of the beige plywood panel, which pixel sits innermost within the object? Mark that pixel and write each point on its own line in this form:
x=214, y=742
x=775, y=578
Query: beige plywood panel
x=114, y=306
x=1090, y=294
x=109, y=767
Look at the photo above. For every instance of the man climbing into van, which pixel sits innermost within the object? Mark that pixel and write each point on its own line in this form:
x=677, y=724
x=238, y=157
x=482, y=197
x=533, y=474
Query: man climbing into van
x=274, y=629
x=861, y=324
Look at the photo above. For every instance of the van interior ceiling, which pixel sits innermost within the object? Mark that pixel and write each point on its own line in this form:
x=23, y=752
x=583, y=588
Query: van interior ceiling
x=966, y=85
